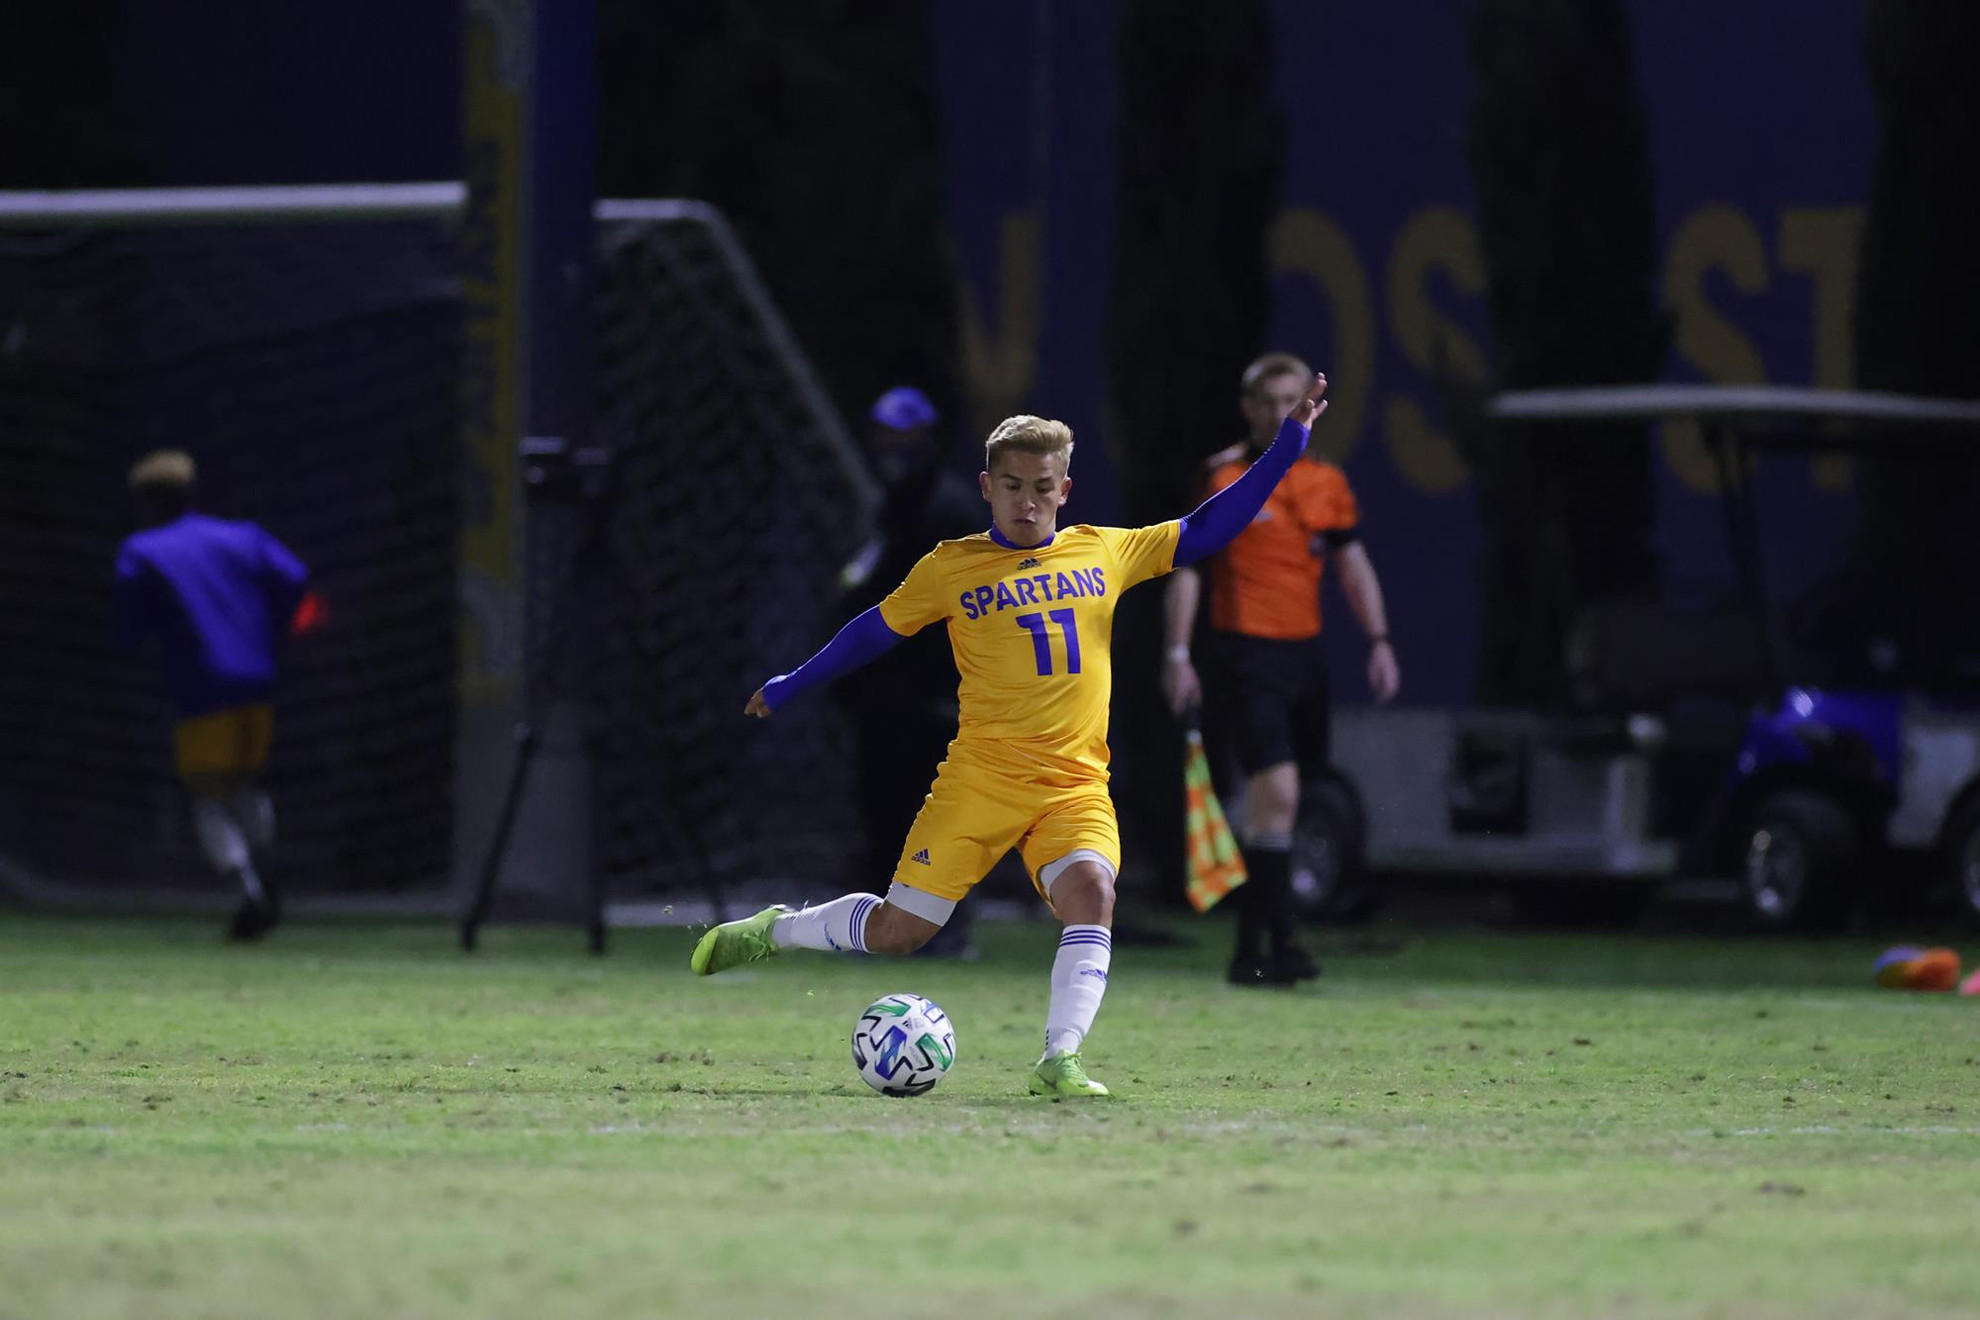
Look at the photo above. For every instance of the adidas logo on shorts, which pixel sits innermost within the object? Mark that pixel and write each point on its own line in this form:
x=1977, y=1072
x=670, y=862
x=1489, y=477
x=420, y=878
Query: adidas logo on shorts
x=921, y=857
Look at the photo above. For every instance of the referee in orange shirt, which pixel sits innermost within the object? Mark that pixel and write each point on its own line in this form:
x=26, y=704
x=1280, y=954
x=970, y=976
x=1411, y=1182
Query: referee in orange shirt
x=1265, y=703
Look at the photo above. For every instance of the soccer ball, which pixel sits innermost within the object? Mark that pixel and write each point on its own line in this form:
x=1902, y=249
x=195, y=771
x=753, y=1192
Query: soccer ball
x=903, y=1045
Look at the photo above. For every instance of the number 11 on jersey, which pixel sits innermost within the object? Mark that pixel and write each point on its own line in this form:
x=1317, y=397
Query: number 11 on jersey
x=1041, y=639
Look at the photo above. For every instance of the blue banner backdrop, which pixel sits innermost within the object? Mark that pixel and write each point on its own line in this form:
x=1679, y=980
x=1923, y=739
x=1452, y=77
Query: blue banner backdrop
x=1762, y=138
x=1762, y=148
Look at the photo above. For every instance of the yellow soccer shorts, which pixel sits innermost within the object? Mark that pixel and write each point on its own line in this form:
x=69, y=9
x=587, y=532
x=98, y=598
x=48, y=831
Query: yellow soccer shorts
x=973, y=816
x=231, y=742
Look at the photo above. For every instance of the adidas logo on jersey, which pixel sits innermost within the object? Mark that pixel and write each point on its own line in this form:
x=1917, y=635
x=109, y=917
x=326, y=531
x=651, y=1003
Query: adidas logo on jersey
x=1027, y=563
x=921, y=857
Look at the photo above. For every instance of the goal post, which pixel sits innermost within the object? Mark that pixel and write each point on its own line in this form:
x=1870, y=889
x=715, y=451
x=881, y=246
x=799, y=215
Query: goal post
x=132, y=208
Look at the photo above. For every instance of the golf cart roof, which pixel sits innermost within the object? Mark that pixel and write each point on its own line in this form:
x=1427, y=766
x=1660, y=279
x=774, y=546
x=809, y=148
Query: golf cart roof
x=1729, y=403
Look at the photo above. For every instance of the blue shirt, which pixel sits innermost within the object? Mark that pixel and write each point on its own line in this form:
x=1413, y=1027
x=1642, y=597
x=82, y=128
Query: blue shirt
x=218, y=596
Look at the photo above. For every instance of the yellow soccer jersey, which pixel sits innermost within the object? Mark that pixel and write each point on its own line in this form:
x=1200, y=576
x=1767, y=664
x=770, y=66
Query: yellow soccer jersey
x=1032, y=630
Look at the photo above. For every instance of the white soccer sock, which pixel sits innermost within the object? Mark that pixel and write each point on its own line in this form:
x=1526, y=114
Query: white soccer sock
x=225, y=846
x=838, y=926
x=256, y=815
x=220, y=836
x=1079, y=979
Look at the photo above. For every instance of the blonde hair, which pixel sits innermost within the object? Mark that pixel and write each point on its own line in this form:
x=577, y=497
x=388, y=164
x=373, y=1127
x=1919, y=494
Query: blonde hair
x=163, y=470
x=1025, y=434
x=1271, y=367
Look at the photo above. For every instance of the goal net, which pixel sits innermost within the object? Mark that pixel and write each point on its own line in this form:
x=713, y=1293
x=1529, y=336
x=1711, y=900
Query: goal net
x=734, y=500
x=314, y=370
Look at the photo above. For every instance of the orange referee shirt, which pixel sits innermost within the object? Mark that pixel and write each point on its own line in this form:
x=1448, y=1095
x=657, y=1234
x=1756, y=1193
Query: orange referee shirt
x=1266, y=583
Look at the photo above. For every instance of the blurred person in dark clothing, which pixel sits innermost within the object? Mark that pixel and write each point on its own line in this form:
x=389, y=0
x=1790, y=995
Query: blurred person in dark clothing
x=903, y=705
x=216, y=597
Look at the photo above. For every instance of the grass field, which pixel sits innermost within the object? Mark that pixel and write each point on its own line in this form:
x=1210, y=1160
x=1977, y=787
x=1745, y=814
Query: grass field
x=357, y=1120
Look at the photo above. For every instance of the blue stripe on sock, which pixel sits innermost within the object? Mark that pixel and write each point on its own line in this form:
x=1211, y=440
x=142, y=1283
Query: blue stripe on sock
x=857, y=926
x=1073, y=944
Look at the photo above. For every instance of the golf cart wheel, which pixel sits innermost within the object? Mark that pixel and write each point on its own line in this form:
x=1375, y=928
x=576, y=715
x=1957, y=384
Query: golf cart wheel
x=1962, y=854
x=1330, y=882
x=1800, y=857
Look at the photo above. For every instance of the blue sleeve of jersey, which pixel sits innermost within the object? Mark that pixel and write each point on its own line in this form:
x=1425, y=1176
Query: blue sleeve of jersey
x=864, y=639
x=1217, y=521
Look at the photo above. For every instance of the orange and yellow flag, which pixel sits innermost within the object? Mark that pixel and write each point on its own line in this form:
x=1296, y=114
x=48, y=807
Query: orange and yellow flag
x=1215, y=865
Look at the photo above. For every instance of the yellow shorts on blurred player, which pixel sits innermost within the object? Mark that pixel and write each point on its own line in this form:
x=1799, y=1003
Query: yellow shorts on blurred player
x=231, y=743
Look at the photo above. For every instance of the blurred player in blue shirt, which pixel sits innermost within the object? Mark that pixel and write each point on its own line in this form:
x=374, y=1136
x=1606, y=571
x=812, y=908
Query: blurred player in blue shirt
x=217, y=597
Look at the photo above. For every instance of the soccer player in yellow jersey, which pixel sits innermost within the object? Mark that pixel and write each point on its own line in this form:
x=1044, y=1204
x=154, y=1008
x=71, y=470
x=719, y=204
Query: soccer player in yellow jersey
x=1030, y=612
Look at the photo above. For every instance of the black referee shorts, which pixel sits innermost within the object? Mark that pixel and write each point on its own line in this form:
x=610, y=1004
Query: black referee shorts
x=1265, y=702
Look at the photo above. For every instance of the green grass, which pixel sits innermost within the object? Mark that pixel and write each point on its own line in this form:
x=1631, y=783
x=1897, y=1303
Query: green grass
x=357, y=1120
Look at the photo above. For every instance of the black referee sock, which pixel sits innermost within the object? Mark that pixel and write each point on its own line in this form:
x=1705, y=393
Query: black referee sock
x=1269, y=872
x=1250, y=919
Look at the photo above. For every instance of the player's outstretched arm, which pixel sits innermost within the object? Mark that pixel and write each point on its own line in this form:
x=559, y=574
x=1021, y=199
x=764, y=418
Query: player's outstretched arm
x=1217, y=521
x=865, y=639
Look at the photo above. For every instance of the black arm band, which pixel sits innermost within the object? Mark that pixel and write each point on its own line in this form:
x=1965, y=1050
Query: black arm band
x=1337, y=537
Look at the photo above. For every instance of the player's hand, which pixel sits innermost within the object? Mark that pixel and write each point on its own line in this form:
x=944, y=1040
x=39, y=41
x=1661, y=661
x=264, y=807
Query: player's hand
x=1384, y=675
x=1180, y=686
x=757, y=705
x=1307, y=411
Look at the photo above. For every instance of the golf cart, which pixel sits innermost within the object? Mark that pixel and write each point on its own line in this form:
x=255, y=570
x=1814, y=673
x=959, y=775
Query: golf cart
x=1700, y=748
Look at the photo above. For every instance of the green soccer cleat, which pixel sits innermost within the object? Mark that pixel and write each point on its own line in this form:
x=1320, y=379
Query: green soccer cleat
x=734, y=943
x=1061, y=1077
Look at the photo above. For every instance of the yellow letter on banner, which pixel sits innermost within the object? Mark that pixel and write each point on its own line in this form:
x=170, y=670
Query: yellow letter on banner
x=1439, y=238
x=1306, y=242
x=1713, y=238
x=1001, y=364
x=1823, y=242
